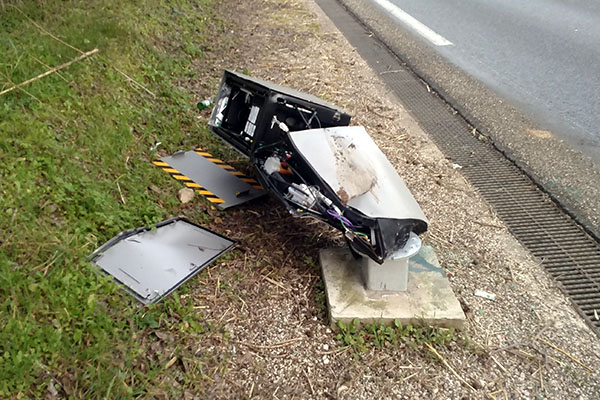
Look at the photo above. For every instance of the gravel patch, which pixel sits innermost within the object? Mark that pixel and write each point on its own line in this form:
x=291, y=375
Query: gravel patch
x=279, y=344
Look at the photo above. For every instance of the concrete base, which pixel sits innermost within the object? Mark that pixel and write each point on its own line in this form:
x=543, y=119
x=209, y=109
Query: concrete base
x=428, y=300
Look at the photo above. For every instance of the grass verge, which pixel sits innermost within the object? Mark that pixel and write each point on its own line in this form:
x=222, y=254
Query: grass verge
x=361, y=337
x=74, y=171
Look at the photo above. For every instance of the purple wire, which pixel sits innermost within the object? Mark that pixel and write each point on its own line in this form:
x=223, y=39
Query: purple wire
x=340, y=217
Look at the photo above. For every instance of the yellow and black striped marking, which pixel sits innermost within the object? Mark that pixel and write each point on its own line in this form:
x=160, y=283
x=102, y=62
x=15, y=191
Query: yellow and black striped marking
x=220, y=163
x=210, y=196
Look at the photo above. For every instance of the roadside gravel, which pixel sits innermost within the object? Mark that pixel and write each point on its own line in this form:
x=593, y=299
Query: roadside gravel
x=280, y=345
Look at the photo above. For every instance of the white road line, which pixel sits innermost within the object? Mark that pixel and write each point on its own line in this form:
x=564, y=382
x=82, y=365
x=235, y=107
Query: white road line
x=413, y=23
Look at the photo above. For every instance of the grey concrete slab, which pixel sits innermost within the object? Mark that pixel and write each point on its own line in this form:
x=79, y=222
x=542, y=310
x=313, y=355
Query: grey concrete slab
x=428, y=300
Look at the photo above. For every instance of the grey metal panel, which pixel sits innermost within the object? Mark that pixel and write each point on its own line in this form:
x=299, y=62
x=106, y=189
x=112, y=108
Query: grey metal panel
x=357, y=170
x=152, y=263
x=214, y=178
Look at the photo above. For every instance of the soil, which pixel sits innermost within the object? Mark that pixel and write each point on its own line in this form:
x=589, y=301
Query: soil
x=269, y=297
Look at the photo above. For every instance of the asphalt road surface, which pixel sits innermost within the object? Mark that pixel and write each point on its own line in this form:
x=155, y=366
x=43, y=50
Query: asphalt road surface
x=541, y=55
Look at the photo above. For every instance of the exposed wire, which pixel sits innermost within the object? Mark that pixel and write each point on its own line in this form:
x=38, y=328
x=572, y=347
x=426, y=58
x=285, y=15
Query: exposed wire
x=318, y=120
x=307, y=123
x=343, y=219
x=344, y=226
x=312, y=117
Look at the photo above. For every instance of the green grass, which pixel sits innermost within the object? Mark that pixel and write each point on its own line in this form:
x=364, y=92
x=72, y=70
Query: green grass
x=71, y=148
x=361, y=337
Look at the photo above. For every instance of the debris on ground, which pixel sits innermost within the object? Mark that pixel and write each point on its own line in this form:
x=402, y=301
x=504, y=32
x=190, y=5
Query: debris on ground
x=185, y=195
x=151, y=262
x=217, y=181
x=485, y=295
x=204, y=104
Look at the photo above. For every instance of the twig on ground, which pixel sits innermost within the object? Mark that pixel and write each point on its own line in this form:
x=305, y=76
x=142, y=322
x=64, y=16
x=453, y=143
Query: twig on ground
x=439, y=240
x=586, y=368
x=48, y=67
x=50, y=72
x=41, y=28
x=244, y=305
x=171, y=362
x=408, y=377
x=223, y=316
x=498, y=364
x=121, y=194
x=312, y=390
x=492, y=394
x=144, y=88
x=528, y=355
x=443, y=360
x=522, y=353
x=274, y=282
x=46, y=32
x=541, y=376
x=216, y=291
x=21, y=89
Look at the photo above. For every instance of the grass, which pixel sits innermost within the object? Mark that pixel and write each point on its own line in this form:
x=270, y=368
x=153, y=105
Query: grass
x=74, y=171
x=361, y=337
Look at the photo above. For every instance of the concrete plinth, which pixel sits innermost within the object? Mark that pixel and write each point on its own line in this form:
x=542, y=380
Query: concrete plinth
x=428, y=299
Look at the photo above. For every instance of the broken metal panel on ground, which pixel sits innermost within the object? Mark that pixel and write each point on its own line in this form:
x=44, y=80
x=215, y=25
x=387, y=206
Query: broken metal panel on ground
x=152, y=263
x=217, y=181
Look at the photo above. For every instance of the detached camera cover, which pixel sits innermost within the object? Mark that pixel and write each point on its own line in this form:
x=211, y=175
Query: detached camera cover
x=305, y=153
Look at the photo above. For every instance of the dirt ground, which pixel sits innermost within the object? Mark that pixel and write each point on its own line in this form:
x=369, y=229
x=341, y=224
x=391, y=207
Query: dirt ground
x=280, y=345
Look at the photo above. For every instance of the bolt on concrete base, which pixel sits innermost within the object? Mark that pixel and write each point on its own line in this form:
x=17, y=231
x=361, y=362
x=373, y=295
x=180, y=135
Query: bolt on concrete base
x=428, y=299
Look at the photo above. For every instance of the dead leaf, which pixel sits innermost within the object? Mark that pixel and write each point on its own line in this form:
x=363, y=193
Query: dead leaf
x=155, y=188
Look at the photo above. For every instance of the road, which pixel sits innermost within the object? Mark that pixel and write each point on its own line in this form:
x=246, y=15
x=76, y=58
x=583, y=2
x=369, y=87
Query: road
x=541, y=55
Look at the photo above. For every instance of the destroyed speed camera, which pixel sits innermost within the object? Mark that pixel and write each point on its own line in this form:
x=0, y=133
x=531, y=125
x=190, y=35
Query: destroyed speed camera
x=305, y=153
